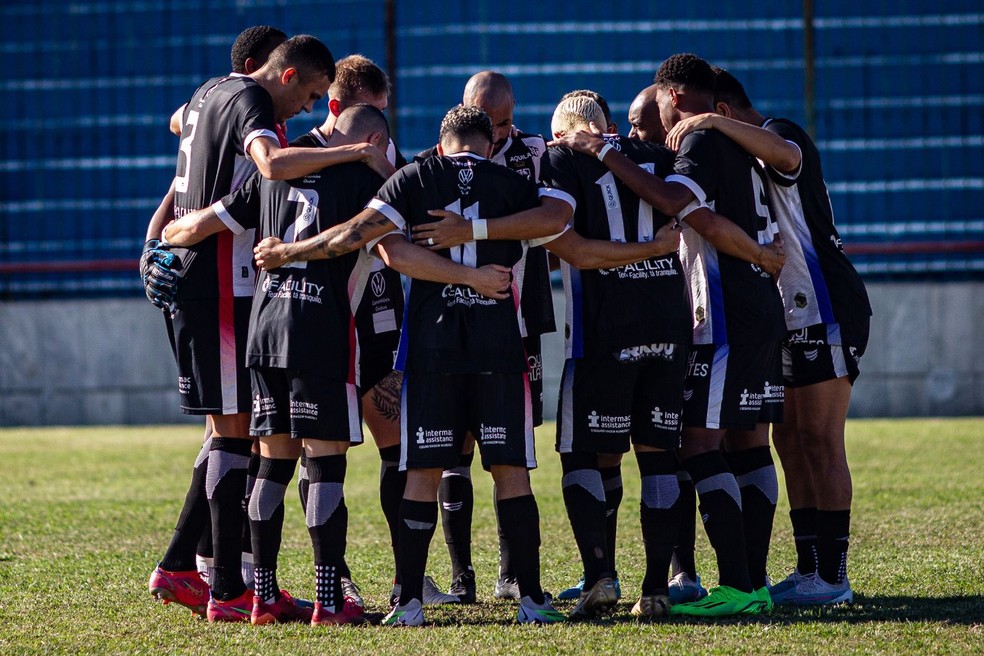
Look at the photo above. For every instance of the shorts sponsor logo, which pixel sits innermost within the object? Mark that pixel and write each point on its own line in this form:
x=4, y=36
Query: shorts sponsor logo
x=697, y=369
x=291, y=288
x=750, y=400
x=264, y=406
x=805, y=337
x=535, y=364
x=378, y=283
x=660, y=351
x=665, y=420
x=303, y=410
x=184, y=384
x=608, y=423
x=461, y=295
x=492, y=435
x=773, y=393
x=429, y=439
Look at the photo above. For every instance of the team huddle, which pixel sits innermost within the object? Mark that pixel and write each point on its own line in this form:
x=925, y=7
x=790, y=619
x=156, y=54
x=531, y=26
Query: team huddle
x=709, y=305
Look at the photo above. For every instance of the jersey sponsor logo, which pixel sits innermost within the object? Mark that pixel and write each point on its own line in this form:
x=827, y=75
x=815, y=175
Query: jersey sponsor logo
x=303, y=410
x=291, y=288
x=535, y=364
x=652, y=268
x=264, y=406
x=610, y=195
x=608, y=423
x=837, y=242
x=461, y=295
x=465, y=177
x=665, y=420
x=762, y=273
x=661, y=351
x=429, y=439
x=378, y=284
x=492, y=435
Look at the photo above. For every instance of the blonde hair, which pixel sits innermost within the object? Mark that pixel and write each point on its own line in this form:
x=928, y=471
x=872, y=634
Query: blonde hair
x=573, y=114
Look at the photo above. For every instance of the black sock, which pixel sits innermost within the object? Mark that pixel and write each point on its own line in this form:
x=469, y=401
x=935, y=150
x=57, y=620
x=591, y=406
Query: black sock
x=418, y=520
x=611, y=480
x=194, y=517
x=391, y=485
x=266, y=516
x=505, y=558
x=683, y=552
x=520, y=521
x=584, y=497
x=457, y=502
x=327, y=522
x=720, y=509
x=247, y=537
x=225, y=486
x=659, y=513
x=755, y=473
x=804, y=522
x=833, y=539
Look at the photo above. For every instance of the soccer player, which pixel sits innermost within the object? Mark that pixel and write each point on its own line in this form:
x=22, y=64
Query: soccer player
x=229, y=128
x=827, y=318
x=737, y=325
x=611, y=127
x=524, y=153
x=303, y=386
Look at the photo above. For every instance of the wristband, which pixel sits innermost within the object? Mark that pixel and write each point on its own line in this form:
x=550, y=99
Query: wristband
x=480, y=229
x=604, y=151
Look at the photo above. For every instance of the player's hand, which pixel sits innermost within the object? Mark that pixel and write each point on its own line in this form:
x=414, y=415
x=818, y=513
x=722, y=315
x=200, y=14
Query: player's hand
x=270, y=253
x=667, y=238
x=686, y=126
x=581, y=141
x=772, y=256
x=491, y=281
x=451, y=230
x=158, y=267
x=375, y=159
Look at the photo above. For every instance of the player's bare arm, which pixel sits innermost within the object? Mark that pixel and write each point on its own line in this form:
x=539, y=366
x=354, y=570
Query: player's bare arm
x=768, y=146
x=549, y=218
x=336, y=241
x=667, y=197
x=276, y=163
x=583, y=253
x=728, y=238
x=163, y=215
x=193, y=228
x=490, y=280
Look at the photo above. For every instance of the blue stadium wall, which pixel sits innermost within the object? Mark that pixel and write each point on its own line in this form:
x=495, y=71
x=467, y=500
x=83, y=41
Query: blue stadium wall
x=898, y=95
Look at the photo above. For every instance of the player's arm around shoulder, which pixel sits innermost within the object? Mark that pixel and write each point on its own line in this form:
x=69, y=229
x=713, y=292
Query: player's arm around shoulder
x=583, y=253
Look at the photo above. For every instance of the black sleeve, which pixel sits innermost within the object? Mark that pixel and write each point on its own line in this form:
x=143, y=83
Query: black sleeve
x=696, y=161
x=244, y=204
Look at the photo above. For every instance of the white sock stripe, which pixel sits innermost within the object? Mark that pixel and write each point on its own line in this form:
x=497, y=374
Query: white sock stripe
x=725, y=482
x=660, y=491
x=589, y=479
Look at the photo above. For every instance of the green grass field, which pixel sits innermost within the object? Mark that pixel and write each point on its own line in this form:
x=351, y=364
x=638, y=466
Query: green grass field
x=86, y=511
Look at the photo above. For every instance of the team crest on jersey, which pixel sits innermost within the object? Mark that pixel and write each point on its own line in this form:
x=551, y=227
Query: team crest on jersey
x=465, y=177
x=800, y=300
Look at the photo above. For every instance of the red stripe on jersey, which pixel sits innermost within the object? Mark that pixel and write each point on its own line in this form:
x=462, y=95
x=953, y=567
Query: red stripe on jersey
x=282, y=135
x=227, y=323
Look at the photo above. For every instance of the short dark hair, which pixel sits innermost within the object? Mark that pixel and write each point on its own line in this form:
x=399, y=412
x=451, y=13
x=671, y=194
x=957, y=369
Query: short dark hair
x=307, y=54
x=593, y=95
x=363, y=119
x=356, y=74
x=255, y=43
x=463, y=122
x=686, y=70
x=729, y=90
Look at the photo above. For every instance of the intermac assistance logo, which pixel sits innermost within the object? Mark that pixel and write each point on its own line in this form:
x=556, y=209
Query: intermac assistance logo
x=609, y=423
x=465, y=177
x=429, y=439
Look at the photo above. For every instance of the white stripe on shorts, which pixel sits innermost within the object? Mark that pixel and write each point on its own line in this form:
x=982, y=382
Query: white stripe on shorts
x=355, y=421
x=567, y=406
x=715, y=392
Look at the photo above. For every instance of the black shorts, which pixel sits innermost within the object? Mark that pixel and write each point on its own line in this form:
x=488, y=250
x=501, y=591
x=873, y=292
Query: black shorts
x=733, y=386
x=208, y=339
x=606, y=404
x=305, y=405
x=437, y=410
x=820, y=353
x=375, y=365
x=534, y=359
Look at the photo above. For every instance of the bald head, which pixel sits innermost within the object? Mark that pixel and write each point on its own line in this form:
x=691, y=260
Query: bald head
x=492, y=92
x=644, y=117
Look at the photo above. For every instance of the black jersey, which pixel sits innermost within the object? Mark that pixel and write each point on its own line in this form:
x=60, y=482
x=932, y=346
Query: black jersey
x=637, y=305
x=526, y=154
x=734, y=301
x=314, y=138
x=303, y=312
x=451, y=328
x=221, y=120
x=818, y=283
